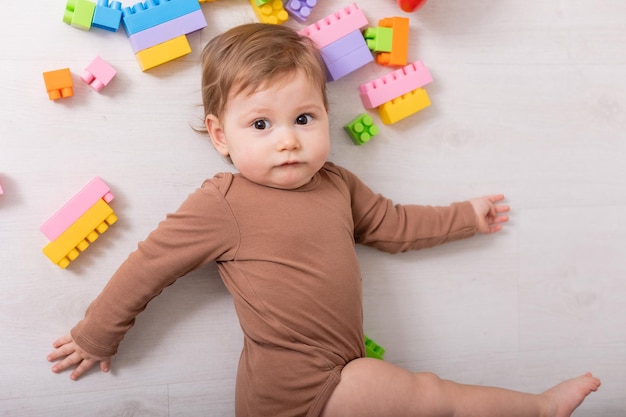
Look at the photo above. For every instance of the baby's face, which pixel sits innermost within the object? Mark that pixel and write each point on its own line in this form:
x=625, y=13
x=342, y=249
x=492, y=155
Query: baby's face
x=277, y=137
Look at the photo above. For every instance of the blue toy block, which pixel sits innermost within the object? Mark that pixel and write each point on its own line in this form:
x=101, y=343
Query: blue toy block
x=107, y=16
x=169, y=30
x=300, y=10
x=345, y=55
x=151, y=13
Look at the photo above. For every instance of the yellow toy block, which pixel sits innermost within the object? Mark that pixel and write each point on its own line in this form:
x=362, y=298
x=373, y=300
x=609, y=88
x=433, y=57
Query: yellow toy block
x=271, y=12
x=403, y=106
x=163, y=52
x=80, y=234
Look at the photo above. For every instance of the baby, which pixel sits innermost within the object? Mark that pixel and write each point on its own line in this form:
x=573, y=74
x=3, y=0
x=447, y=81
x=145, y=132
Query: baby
x=283, y=231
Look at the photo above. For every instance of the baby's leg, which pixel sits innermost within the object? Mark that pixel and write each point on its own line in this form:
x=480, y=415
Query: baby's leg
x=370, y=387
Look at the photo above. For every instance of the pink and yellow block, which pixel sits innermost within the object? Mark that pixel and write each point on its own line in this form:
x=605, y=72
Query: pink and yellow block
x=78, y=223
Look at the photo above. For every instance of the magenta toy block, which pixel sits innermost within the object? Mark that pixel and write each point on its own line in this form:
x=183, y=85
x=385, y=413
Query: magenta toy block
x=300, y=9
x=336, y=26
x=107, y=16
x=98, y=74
x=151, y=13
x=345, y=55
x=171, y=29
x=1, y=190
x=394, y=84
x=95, y=190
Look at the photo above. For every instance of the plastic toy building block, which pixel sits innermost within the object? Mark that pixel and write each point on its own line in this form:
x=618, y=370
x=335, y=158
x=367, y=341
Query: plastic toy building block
x=107, y=16
x=59, y=83
x=271, y=12
x=361, y=129
x=379, y=39
x=400, y=42
x=1, y=190
x=260, y=2
x=163, y=52
x=372, y=350
x=403, y=106
x=345, y=55
x=80, y=234
x=300, y=10
x=98, y=74
x=95, y=190
x=171, y=29
x=410, y=5
x=336, y=26
x=151, y=13
x=79, y=13
x=394, y=84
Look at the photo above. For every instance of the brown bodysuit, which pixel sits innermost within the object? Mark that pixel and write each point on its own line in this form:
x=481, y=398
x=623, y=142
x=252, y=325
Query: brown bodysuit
x=289, y=261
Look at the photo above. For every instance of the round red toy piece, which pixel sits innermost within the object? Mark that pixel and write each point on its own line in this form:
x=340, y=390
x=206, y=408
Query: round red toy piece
x=410, y=5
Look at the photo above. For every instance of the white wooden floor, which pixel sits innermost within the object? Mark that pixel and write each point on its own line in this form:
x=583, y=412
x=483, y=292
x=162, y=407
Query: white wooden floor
x=529, y=99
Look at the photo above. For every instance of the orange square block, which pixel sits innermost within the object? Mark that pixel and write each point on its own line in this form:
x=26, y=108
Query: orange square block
x=59, y=83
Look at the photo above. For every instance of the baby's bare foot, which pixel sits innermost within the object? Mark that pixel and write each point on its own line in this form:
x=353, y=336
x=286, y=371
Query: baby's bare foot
x=568, y=395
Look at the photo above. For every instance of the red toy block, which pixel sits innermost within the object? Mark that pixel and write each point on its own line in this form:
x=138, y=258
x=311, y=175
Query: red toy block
x=410, y=5
x=59, y=83
x=336, y=26
x=400, y=42
x=394, y=84
x=98, y=74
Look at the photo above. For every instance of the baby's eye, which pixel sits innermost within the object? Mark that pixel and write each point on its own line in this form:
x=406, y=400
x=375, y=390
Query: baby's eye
x=261, y=124
x=304, y=119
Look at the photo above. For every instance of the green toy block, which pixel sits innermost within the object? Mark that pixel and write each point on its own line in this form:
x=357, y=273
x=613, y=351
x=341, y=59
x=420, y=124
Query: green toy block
x=260, y=2
x=372, y=350
x=379, y=39
x=79, y=13
x=361, y=129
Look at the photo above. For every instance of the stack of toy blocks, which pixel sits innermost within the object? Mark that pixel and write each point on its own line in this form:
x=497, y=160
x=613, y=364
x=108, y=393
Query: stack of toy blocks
x=397, y=56
x=398, y=94
x=341, y=42
x=78, y=223
x=158, y=29
x=83, y=14
x=269, y=11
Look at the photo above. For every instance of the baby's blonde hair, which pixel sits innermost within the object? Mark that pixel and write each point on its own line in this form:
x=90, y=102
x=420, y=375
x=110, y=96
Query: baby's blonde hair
x=255, y=56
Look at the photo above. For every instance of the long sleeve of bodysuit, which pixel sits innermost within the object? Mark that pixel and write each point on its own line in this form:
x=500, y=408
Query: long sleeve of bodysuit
x=200, y=231
x=393, y=228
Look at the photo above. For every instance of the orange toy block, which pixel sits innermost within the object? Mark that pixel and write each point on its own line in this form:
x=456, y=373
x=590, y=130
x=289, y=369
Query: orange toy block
x=403, y=106
x=59, y=83
x=399, y=44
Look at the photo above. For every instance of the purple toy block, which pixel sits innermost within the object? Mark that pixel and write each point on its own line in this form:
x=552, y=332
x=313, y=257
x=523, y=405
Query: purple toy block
x=300, y=9
x=98, y=74
x=336, y=26
x=171, y=29
x=394, y=84
x=107, y=16
x=346, y=55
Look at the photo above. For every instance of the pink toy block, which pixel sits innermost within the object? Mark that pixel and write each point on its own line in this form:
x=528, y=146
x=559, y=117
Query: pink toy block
x=95, y=190
x=394, y=84
x=337, y=25
x=1, y=190
x=98, y=74
x=171, y=29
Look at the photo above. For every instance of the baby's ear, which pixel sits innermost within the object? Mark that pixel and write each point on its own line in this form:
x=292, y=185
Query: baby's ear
x=216, y=133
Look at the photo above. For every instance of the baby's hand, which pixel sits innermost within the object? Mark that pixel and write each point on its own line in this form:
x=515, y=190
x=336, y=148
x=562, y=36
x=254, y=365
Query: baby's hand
x=488, y=212
x=71, y=354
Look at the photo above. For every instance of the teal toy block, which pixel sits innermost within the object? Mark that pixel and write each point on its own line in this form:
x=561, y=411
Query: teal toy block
x=79, y=13
x=379, y=39
x=372, y=350
x=361, y=129
x=107, y=16
x=151, y=13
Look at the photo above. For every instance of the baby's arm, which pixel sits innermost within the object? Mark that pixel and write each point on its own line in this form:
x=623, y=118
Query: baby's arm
x=488, y=213
x=71, y=354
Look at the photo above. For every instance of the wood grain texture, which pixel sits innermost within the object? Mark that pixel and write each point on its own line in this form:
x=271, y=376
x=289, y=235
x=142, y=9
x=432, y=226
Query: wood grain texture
x=529, y=99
